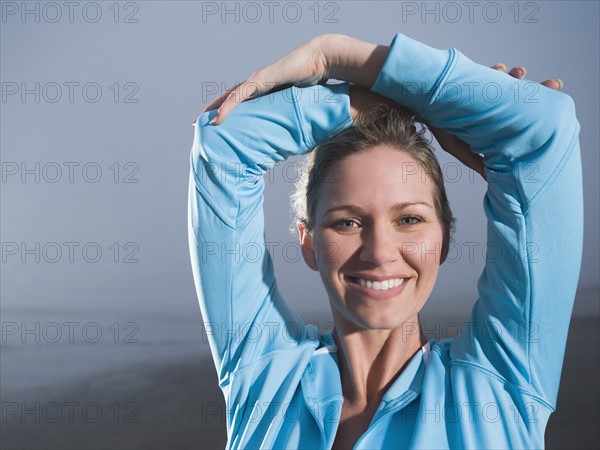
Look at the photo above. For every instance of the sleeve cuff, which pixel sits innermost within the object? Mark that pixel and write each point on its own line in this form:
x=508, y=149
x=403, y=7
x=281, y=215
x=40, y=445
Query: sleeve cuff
x=412, y=73
x=323, y=110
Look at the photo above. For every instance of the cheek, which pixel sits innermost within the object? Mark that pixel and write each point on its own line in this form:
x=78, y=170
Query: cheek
x=333, y=249
x=424, y=248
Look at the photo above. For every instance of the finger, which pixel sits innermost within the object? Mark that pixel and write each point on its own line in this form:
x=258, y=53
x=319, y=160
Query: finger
x=518, y=72
x=499, y=66
x=555, y=84
x=220, y=99
x=253, y=87
x=235, y=97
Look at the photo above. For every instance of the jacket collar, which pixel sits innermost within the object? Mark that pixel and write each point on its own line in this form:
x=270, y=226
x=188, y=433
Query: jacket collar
x=322, y=387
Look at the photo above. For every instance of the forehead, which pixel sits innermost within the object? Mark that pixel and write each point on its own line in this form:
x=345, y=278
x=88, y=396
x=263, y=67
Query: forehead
x=376, y=178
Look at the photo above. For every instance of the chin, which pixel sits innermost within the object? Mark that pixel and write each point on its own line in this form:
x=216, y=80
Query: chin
x=380, y=320
x=358, y=312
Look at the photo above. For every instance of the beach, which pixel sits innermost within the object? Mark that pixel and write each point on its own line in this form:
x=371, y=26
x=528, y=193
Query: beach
x=177, y=405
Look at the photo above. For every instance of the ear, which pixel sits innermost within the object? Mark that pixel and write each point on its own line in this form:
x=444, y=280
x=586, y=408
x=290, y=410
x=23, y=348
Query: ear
x=306, y=244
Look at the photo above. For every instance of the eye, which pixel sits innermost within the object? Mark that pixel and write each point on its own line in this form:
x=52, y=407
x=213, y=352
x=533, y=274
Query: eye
x=343, y=222
x=410, y=220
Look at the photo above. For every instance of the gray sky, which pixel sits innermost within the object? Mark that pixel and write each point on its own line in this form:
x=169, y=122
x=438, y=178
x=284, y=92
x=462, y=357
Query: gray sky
x=97, y=103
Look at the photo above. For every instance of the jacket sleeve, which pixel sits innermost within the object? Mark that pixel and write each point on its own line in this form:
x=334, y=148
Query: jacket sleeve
x=244, y=314
x=528, y=136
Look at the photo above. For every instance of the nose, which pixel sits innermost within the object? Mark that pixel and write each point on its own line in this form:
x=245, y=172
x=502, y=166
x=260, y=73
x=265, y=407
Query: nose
x=380, y=245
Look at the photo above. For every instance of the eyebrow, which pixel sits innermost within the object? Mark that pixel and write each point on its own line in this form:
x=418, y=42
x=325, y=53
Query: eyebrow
x=358, y=210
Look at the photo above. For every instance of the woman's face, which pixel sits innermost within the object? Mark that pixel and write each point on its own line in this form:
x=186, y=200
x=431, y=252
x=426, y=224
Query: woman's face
x=376, y=220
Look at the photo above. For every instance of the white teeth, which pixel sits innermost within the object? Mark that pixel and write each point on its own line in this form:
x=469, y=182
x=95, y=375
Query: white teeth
x=381, y=285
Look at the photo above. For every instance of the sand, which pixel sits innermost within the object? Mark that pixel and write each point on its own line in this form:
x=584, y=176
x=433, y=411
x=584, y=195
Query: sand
x=179, y=406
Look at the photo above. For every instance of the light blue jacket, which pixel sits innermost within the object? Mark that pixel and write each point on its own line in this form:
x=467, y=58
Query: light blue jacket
x=492, y=387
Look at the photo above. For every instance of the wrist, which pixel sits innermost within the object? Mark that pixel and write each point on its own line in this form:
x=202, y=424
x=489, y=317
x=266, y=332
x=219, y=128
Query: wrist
x=353, y=60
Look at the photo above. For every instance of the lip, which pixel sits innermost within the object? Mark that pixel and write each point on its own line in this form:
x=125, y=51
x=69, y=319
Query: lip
x=367, y=276
x=379, y=295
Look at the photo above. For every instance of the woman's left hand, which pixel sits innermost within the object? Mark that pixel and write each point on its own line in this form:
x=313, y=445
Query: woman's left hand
x=460, y=149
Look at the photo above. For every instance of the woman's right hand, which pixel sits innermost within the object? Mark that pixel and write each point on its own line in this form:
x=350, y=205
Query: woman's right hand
x=302, y=67
x=323, y=57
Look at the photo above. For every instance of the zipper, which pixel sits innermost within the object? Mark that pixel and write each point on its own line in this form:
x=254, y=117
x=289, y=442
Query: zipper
x=402, y=404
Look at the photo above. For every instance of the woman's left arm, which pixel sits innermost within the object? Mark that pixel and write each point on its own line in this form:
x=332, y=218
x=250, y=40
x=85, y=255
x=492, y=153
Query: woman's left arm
x=528, y=136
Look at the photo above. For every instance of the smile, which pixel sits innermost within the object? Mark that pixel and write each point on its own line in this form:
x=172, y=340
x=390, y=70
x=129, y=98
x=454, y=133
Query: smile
x=378, y=289
x=378, y=285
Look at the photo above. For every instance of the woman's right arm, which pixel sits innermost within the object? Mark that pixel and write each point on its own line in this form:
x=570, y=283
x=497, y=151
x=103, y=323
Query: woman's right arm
x=244, y=313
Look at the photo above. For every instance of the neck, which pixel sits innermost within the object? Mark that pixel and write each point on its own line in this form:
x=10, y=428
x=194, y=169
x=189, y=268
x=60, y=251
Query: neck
x=370, y=360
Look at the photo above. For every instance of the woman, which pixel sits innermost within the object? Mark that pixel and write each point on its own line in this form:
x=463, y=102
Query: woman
x=374, y=382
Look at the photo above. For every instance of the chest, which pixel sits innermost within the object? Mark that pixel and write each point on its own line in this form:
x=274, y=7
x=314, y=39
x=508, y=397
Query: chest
x=354, y=422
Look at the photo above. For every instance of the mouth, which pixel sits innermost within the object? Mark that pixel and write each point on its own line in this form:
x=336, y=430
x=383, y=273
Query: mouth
x=375, y=289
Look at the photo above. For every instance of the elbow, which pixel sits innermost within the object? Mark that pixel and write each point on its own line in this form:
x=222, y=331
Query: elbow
x=551, y=127
x=561, y=114
x=207, y=137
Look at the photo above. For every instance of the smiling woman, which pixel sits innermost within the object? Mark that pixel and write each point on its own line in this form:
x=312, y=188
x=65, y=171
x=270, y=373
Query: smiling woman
x=371, y=203
x=374, y=221
x=379, y=245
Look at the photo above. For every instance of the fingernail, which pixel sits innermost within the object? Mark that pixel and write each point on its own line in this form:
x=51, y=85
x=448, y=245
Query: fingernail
x=561, y=84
